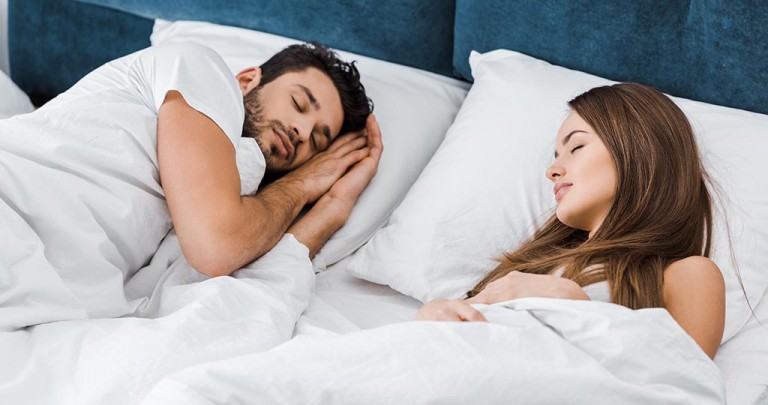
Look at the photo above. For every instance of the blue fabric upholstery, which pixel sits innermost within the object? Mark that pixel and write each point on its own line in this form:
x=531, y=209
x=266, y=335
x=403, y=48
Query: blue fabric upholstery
x=709, y=50
x=413, y=33
x=54, y=43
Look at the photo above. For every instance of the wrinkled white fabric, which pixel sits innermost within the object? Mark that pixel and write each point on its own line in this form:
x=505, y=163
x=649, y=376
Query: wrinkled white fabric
x=533, y=351
x=116, y=361
x=81, y=205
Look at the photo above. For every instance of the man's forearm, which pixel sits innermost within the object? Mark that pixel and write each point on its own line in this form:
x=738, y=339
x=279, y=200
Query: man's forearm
x=253, y=227
x=320, y=223
x=270, y=213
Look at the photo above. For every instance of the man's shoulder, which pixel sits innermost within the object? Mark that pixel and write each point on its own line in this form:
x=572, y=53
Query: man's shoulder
x=183, y=50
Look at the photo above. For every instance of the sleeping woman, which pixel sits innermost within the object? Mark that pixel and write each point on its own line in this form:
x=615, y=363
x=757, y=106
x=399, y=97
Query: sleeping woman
x=633, y=223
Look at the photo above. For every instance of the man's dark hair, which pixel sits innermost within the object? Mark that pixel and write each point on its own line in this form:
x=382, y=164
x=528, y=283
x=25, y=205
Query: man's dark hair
x=298, y=58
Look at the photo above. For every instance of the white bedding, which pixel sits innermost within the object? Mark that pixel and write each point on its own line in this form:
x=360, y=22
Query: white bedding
x=531, y=351
x=116, y=361
x=353, y=339
x=276, y=333
x=743, y=360
x=222, y=340
x=521, y=354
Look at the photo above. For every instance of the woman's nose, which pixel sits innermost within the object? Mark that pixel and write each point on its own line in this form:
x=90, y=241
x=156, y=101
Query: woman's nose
x=554, y=172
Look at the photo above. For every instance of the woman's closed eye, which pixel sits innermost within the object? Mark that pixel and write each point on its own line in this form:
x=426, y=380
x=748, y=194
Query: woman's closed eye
x=577, y=147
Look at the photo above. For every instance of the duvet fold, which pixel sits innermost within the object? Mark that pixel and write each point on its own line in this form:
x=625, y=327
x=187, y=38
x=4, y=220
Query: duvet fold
x=191, y=320
x=532, y=351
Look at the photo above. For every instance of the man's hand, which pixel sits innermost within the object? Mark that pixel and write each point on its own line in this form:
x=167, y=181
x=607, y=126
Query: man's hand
x=519, y=285
x=332, y=209
x=449, y=310
x=321, y=172
x=349, y=187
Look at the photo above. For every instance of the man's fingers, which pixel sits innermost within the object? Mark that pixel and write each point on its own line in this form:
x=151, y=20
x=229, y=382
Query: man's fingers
x=374, y=133
x=352, y=158
x=356, y=144
x=343, y=141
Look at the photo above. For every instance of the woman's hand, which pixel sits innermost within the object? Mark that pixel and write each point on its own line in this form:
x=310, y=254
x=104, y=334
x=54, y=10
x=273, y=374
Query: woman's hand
x=449, y=310
x=519, y=285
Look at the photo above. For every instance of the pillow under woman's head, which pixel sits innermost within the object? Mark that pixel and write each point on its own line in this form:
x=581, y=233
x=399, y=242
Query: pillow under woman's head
x=485, y=190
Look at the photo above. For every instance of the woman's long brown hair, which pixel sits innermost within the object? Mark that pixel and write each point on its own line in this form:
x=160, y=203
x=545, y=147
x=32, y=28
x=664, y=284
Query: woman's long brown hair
x=662, y=210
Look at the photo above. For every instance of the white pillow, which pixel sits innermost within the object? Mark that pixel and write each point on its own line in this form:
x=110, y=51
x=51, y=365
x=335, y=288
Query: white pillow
x=413, y=107
x=485, y=189
x=12, y=100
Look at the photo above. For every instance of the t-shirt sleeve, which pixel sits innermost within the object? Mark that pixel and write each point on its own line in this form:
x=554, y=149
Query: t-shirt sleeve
x=200, y=75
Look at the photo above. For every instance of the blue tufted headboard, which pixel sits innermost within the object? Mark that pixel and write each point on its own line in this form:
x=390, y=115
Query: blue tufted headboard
x=53, y=43
x=710, y=50
x=76, y=36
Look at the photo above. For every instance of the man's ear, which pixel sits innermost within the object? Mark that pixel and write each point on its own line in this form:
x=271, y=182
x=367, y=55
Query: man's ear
x=249, y=78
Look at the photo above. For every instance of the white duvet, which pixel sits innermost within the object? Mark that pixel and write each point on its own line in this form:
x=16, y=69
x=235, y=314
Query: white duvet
x=532, y=351
x=117, y=361
x=228, y=340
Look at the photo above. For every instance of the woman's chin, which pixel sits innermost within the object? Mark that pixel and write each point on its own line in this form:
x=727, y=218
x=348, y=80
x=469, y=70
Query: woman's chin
x=568, y=219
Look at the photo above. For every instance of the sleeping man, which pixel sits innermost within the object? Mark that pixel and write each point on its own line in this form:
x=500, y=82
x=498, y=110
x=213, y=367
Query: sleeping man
x=94, y=180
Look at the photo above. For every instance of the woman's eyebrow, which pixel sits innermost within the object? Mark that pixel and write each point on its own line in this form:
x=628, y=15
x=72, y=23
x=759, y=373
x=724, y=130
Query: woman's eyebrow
x=568, y=138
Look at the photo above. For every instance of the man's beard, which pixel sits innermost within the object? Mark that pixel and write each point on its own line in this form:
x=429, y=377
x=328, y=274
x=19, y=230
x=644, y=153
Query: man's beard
x=256, y=125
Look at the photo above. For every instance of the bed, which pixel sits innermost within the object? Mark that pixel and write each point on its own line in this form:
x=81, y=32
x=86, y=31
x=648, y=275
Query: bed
x=448, y=78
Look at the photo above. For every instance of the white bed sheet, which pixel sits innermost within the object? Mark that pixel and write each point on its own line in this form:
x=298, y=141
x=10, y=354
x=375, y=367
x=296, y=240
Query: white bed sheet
x=367, y=305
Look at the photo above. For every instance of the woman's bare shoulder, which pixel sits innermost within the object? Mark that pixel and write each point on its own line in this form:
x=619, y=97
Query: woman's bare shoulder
x=694, y=294
x=693, y=269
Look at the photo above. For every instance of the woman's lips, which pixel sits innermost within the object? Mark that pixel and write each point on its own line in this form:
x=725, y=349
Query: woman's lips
x=560, y=190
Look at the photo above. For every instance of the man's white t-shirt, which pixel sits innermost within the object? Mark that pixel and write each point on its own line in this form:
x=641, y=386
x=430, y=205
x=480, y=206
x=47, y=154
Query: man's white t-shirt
x=81, y=204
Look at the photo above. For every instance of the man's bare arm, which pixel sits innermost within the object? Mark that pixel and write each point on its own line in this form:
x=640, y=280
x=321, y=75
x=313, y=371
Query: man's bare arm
x=219, y=231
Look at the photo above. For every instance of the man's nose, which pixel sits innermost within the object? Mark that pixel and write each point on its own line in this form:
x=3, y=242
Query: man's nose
x=302, y=129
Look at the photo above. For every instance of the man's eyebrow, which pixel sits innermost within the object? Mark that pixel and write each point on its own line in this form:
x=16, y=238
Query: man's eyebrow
x=310, y=96
x=568, y=138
